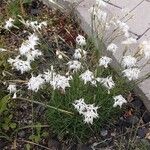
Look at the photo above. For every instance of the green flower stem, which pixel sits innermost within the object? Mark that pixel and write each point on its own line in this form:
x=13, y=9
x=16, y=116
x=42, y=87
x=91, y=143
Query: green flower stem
x=45, y=105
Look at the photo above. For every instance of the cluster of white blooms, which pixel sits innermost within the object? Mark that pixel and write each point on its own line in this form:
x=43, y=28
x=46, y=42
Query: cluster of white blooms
x=129, y=61
x=89, y=111
x=80, y=40
x=107, y=82
x=36, y=82
x=119, y=100
x=104, y=61
x=129, y=41
x=145, y=49
x=74, y=65
x=131, y=73
x=27, y=49
x=87, y=76
x=79, y=53
x=57, y=81
x=9, y=23
x=20, y=65
x=112, y=48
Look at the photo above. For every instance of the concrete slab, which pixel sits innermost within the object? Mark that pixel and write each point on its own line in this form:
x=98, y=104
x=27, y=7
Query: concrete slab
x=126, y=4
x=146, y=68
x=143, y=91
x=145, y=36
x=84, y=15
x=141, y=20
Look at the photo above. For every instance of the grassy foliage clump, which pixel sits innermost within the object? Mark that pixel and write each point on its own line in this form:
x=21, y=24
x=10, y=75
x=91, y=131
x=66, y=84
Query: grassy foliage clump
x=73, y=125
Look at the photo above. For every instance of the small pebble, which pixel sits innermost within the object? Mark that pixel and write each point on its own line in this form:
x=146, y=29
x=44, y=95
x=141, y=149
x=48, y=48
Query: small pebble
x=84, y=147
x=54, y=144
x=133, y=120
x=142, y=132
x=146, y=117
x=21, y=134
x=137, y=103
x=104, y=132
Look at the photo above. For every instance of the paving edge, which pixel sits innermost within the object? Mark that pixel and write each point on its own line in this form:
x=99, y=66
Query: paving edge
x=67, y=6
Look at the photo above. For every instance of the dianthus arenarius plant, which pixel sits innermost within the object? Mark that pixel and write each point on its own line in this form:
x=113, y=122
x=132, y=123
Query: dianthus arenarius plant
x=85, y=95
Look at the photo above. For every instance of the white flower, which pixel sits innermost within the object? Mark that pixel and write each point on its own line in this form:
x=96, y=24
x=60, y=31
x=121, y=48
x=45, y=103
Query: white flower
x=33, y=54
x=80, y=105
x=29, y=44
x=12, y=88
x=35, y=83
x=124, y=27
x=19, y=64
x=74, y=65
x=131, y=73
x=2, y=50
x=112, y=48
x=33, y=40
x=25, y=48
x=100, y=3
x=9, y=23
x=89, y=111
x=80, y=40
x=90, y=114
x=104, y=61
x=129, y=41
x=48, y=76
x=60, y=82
x=79, y=53
x=129, y=61
x=119, y=100
x=145, y=48
x=107, y=82
x=87, y=76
